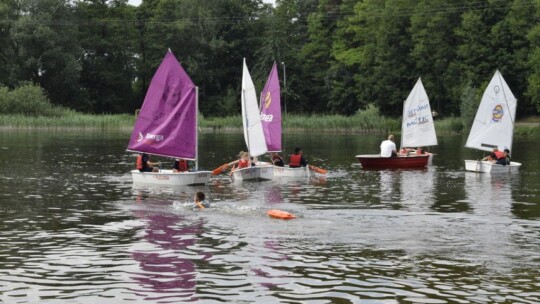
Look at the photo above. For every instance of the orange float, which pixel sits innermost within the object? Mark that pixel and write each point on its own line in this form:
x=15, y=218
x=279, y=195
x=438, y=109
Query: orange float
x=280, y=214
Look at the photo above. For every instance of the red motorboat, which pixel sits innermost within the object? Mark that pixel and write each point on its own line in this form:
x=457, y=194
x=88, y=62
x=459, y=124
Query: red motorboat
x=375, y=161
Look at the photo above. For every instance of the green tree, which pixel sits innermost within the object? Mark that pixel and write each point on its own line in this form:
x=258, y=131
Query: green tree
x=533, y=80
x=432, y=26
x=376, y=43
x=46, y=49
x=8, y=9
x=322, y=26
x=107, y=35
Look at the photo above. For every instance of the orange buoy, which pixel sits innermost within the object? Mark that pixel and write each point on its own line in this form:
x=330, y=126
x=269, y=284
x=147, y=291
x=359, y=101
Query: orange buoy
x=280, y=214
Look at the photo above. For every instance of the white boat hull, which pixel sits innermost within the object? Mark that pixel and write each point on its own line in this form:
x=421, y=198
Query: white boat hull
x=253, y=173
x=490, y=167
x=169, y=178
x=280, y=172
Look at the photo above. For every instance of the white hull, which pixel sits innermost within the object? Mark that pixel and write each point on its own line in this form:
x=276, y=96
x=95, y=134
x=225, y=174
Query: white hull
x=490, y=167
x=167, y=177
x=253, y=173
x=302, y=172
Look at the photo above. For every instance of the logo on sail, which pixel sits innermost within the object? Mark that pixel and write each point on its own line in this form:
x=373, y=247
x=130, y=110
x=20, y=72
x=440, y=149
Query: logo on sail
x=267, y=100
x=497, y=113
x=149, y=137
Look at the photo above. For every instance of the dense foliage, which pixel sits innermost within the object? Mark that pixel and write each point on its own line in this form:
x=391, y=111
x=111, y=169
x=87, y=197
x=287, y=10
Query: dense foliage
x=339, y=56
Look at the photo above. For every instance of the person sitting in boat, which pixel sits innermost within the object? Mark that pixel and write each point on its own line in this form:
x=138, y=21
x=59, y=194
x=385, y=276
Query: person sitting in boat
x=504, y=160
x=420, y=151
x=495, y=155
x=145, y=165
x=388, y=147
x=297, y=159
x=200, y=201
x=243, y=162
x=180, y=165
x=277, y=160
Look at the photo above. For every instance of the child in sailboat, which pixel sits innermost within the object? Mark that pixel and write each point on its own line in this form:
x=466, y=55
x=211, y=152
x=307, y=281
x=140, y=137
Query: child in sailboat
x=276, y=159
x=145, y=165
x=495, y=155
x=297, y=159
x=243, y=162
x=504, y=160
x=180, y=165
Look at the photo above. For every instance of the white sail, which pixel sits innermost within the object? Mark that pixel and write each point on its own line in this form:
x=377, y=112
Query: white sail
x=417, y=128
x=251, y=119
x=494, y=121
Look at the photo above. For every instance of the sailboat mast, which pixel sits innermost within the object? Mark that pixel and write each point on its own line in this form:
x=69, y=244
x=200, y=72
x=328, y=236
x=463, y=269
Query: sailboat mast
x=246, y=123
x=196, y=128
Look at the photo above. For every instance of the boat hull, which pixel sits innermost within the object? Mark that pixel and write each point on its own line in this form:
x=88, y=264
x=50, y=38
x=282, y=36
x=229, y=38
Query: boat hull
x=490, y=167
x=169, y=178
x=375, y=161
x=256, y=173
x=287, y=172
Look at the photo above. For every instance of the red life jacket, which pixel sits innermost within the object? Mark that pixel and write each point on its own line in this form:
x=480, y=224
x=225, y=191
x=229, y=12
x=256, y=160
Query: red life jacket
x=499, y=154
x=243, y=163
x=182, y=165
x=139, y=162
x=295, y=160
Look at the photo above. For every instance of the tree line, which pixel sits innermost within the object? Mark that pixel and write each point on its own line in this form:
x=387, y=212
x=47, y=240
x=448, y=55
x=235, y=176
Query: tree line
x=336, y=56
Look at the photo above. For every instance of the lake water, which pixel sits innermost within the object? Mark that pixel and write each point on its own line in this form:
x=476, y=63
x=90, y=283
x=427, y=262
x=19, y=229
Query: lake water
x=75, y=230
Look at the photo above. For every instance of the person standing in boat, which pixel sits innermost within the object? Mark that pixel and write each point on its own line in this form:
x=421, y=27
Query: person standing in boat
x=180, y=165
x=388, y=147
x=297, y=159
x=145, y=165
x=277, y=160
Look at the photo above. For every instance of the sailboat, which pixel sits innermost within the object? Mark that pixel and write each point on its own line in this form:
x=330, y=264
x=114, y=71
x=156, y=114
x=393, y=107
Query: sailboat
x=493, y=126
x=271, y=123
x=270, y=105
x=253, y=133
x=167, y=125
x=417, y=130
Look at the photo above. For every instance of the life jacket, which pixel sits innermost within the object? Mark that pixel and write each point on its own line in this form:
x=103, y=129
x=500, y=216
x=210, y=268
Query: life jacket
x=182, y=165
x=295, y=160
x=403, y=151
x=419, y=151
x=139, y=162
x=499, y=154
x=243, y=163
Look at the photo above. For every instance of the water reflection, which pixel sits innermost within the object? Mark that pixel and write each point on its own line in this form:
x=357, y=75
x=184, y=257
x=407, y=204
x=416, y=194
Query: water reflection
x=489, y=195
x=417, y=188
x=167, y=261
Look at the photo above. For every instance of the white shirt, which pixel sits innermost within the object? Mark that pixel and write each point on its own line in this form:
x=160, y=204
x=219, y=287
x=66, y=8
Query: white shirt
x=387, y=147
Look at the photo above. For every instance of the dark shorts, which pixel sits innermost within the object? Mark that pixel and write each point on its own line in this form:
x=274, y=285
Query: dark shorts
x=146, y=169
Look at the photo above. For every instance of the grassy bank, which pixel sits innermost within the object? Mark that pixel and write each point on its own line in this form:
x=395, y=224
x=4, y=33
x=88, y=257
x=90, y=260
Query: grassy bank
x=291, y=123
x=69, y=121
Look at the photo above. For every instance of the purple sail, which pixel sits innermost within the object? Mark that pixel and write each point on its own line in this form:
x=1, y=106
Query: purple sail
x=167, y=121
x=271, y=111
